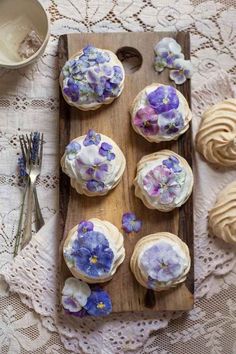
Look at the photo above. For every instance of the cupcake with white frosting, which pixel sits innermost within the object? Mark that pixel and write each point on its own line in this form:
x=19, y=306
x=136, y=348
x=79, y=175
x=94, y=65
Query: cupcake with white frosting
x=93, y=250
x=160, y=261
x=164, y=180
x=94, y=163
x=160, y=113
x=91, y=78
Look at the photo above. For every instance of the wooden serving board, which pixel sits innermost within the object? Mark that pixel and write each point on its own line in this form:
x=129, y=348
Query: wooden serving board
x=114, y=121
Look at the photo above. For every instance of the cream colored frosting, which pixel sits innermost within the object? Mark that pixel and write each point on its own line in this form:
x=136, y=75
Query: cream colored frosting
x=216, y=138
x=116, y=243
x=144, y=244
x=94, y=105
x=89, y=155
x=222, y=217
x=140, y=101
x=149, y=162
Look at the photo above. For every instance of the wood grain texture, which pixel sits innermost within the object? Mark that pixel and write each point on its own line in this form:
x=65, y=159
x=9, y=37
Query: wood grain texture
x=114, y=121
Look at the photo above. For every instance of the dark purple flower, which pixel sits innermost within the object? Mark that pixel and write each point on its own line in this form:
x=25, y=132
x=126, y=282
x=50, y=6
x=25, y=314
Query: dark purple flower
x=92, y=138
x=163, y=99
x=95, y=186
x=72, y=90
x=170, y=122
x=98, y=171
x=88, y=49
x=99, y=303
x=130, y=223
x=105, y=150
x=146, y=119
x=85, y=226
x=172, y=163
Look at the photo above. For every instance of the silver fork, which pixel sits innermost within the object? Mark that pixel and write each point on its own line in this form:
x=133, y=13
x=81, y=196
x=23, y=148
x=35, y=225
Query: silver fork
x=33, y=169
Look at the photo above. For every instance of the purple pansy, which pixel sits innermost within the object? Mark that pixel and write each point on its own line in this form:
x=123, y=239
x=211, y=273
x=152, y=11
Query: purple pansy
x=99, y=303
x=97, y=171
x=162, y=183
x=72, y=90
x=146, y=119
x=170, y=122
x=163, y=99
x=167, y=51
x=130, y=223
x=105, y=150
x=95, y=186
x=92, y=138
x=161, y=263
x=172, y=163
x=75, y=294
x=84, y=227
x=92, y=254
x=183, y=70
x=72, y=150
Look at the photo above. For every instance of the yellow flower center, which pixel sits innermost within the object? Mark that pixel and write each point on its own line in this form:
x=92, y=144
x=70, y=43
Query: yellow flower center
x=165, y=100
x=163, y=265
x=101, y=305
x=93, y=259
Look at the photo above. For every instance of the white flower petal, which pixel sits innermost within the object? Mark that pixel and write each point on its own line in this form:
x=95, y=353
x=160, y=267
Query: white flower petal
x=164, y=44
x=177, y=77
x=68, y=306
x=78, y=289
x=175, y=48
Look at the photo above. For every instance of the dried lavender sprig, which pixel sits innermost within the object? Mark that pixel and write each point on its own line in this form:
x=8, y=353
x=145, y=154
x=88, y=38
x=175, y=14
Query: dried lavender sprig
x=21, y=166
x=35, y=146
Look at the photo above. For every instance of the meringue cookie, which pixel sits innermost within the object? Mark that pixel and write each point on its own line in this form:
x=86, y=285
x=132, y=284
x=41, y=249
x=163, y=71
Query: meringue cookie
x=160, y=261
x=164, y=180
x=216, y=138
x=222, y=217
x=91, y=78
x=94, y=163
x=160, y=113
x=93, y=250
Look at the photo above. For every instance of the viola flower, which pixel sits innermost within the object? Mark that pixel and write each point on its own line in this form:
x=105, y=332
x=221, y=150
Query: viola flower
x=75, y=294
x=167, y=51
x=159, y=63
x=92, y=138
x=118, y=75
x=162, y=263
x=99, y=303
x=72, y=90
x=183, y=71
x=95, y=186
x=172, y=163
x=130, y=223
x=72, y=150
x=146, y=120
x=170, y=122
x=162, y=183
x=69, y=67
x=105, y=150
x=163, y=99
x=92, y=253
x=97, y=171
x=84, y=227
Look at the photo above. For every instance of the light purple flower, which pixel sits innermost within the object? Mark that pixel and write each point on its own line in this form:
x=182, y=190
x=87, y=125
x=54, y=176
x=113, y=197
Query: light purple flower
x=95, y=186
x=92, y=138
x=163, y=99
x=105, y=150
x=72, y=90
x=85, y=226
x=170, y=122
x=72, y=150
x=161, y=263
x=97, y=171
x=167, y=51
x=75, y=294
x=183, y=71
x=172, y=163
x=146, y=120
x=161, y=183
x=130, y=223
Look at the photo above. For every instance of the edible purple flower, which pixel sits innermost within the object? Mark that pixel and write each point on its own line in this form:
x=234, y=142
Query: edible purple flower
x=75, y=294
x=162, y=183
x=72, y=90
x=172, y=163
x=92, y=254
x=98, y=171
x=84, y=227
x=105, y=150
x=170, y=122
x=183, y=71
x=146, y=120
x=92, y=138
x=99, y=303
x=130, y=223
x=72, y=149
x=95, y=186
x=162, y=263
x=22, y=167
x=163, y=99
x=167, y=51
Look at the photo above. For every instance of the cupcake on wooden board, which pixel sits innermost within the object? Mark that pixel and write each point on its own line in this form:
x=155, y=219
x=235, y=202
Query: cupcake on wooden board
x=93, y=250
x=160, y=261
x=164, y=180
x=91, y=78
x=94, y=163
x=160, y=113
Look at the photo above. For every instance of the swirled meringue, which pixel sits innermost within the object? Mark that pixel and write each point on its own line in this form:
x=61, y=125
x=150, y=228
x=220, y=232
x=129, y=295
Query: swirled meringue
x=93, y=250
x=160, y=261
x=94, y=163
x=164, y=180
x=160, y=113
x=222, y=217
x=216, y=138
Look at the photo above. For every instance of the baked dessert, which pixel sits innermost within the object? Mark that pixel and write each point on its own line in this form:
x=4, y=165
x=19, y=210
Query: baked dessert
x=94, y=163
x=93, y=250
x=91, y=78
x=216, y=138
x=160, y=261
x=164, y=180
x=160, y=113
x=222, y=217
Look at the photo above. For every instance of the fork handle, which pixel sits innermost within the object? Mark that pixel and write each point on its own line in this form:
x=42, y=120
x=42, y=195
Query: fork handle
x=27, y=233
x=39, y=217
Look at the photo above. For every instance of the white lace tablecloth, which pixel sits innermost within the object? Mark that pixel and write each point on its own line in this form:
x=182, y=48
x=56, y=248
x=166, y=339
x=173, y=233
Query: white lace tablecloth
x=29, y=101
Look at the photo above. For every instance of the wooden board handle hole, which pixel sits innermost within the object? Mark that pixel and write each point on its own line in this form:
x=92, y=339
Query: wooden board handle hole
x=131, y=59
